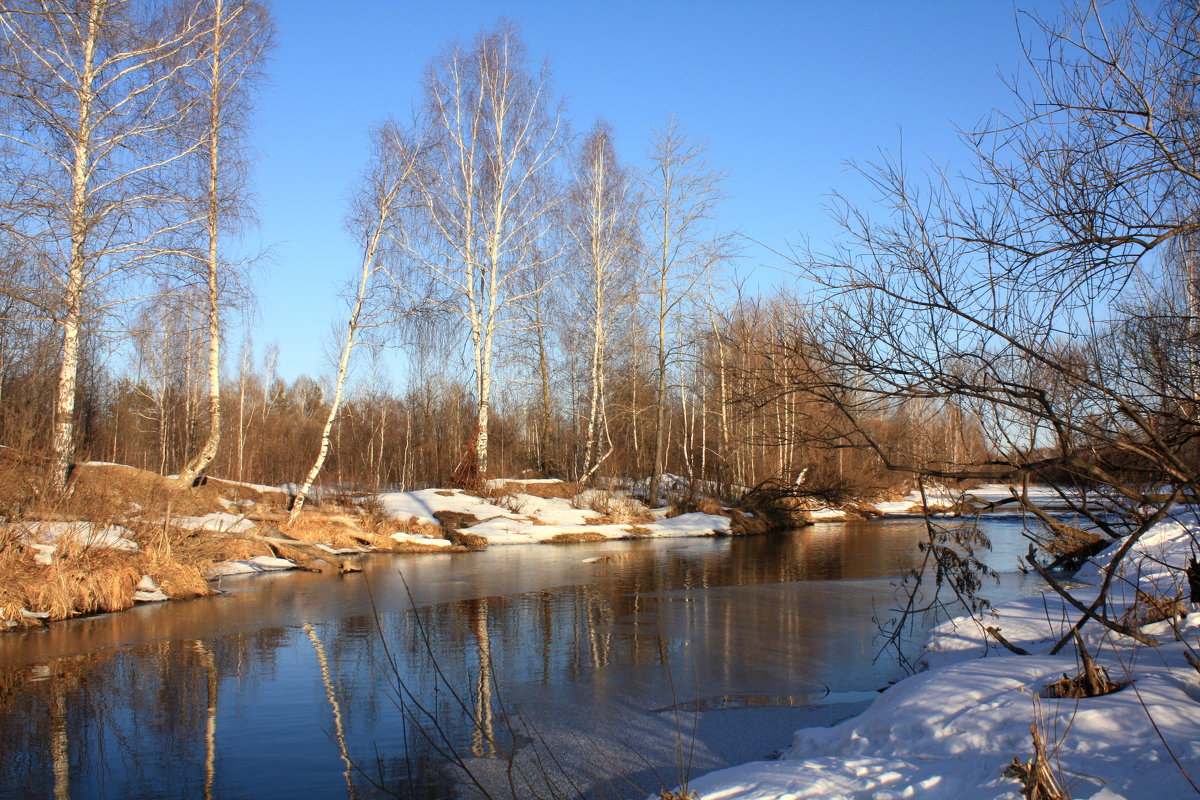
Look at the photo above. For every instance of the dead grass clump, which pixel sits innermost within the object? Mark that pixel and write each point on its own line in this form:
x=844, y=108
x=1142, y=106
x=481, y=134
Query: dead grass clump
x=1069, y=547
x=1148, y=609
x=1092, y=680
x=470, y=541
x=691, y=504
x=561, y=490
x=177, y=560
x=373, y=518
x=638, y=530
x=1083, y=685
x=390, y=545
x=612, y=509
x=774, y=508
x=1036, y=775
x=456, y=519
x=577, y=536
x=415, y=526
x=333, y=529
x=80, y=580
x=115, y=488
x=746, y=523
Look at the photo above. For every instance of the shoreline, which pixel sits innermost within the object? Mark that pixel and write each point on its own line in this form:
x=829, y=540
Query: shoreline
x=224, y=516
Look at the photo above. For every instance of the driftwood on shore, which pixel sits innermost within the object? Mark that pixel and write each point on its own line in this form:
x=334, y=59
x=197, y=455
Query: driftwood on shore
x=340, y=562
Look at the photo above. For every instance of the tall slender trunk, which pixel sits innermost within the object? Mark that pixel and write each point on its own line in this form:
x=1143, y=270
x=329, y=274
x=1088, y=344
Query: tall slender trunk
x=343, y=365
x=208, y=452
x=660, y=441
x=547, y=409
x=63, y=445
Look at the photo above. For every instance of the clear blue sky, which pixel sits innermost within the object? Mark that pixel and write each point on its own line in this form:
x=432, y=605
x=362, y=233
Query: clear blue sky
x=784, y=93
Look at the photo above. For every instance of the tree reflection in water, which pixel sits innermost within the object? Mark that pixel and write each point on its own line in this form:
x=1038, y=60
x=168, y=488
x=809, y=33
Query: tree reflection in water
x=523, y=666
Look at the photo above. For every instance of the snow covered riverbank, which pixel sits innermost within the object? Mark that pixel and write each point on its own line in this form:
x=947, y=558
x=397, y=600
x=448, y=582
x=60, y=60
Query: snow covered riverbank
x=952, y=730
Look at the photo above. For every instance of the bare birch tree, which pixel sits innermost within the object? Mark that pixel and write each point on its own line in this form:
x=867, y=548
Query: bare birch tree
x=494, y=134
x=601, y=221
x=386, y=188
x=683, y=247
x=232, y=52
x=89, y=114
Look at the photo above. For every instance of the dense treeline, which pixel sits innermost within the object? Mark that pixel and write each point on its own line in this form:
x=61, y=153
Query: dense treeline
x=737, y=419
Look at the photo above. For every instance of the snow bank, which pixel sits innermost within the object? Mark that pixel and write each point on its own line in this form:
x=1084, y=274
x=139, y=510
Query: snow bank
x=218, y=522
x=424, y=503
x=250, y=566
x=528, y=519
x=504, y=530
x=950, y=731
x=412, y=538
x=826, y=513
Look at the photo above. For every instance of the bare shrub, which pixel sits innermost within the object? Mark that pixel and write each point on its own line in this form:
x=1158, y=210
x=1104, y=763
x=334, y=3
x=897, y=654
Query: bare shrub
x=1036, y=776
x=1092, y=680
x=1148, y=609
x=692, y=503
x=612, y=509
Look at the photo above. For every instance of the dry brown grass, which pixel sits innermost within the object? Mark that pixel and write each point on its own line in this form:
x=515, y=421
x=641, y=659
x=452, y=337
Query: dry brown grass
x=337, y=530
x=415, y=526
x=248, y=495
x=696, y=503
x=178, y=561
x=393, y=546
x=117, y=488
x=1148, y=608
x=638, y=530
x=612, y=509
x=577, y=536
x=81, y=580
x=746, y=523
x=470, y=541
x=456, y=519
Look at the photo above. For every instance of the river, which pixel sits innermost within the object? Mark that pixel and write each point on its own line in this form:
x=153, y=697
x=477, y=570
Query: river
x=608, y=669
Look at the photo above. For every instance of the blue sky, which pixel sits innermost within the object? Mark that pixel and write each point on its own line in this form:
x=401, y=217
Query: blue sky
x=784, y=93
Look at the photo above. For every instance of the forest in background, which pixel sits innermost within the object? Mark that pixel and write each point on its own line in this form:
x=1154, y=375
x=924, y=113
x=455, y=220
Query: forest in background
x=563, y=313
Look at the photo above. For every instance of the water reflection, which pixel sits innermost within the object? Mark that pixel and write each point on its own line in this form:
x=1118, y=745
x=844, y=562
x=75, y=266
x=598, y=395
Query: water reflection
x=524, y=664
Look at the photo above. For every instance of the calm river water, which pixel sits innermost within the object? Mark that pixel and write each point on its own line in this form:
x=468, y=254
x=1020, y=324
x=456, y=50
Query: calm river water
x=608, y=669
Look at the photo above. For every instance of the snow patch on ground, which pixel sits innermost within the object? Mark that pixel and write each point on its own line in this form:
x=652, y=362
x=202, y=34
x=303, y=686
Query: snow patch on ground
x=250, y=566
x=219, y=522
x=415, y=539
x=826, y=513
x=424, y=503
x=528, y=519
x=86, y=534
x=897, y=506
x=504, y=530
